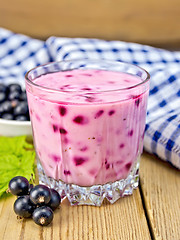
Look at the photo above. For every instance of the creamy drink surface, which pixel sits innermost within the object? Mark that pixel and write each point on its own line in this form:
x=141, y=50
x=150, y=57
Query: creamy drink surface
x=90, y=129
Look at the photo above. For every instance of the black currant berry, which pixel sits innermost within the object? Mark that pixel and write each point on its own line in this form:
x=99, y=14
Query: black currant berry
x=15, y=87
x=21, y=118
x=43, y=216
x=30, y=187
x=13, y=103
x=14, y=95
x=40, y=194
x=23, y=206
x=23, y=96
x=6, y=107
x=3, y=88
x=55, y=200
x=2, y=97
x=21, y=109
x=19, y=186
x=7, y=116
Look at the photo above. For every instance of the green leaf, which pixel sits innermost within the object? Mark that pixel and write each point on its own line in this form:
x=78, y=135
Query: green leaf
x=15, y=160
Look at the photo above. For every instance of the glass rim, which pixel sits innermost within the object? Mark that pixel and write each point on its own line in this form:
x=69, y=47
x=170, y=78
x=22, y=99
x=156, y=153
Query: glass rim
x=90, y=92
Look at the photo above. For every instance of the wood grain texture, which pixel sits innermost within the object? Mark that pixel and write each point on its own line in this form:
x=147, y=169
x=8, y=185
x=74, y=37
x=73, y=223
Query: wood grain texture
x=126, y=219
x=123, y=220
x=160, y=185
x=152, y=22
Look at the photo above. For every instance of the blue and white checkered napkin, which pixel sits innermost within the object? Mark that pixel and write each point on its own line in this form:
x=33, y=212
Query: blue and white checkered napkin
x=19, y=53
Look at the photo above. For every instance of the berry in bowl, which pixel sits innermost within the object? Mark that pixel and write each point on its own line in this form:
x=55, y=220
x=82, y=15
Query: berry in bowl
x=14, y=112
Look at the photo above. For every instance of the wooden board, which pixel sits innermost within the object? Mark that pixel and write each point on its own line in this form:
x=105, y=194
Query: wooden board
x=152, y=212
x=123, y=220
x=160, y=185
x=153, y=22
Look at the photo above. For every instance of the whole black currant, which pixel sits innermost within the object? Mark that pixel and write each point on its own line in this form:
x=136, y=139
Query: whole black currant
x=21, y=118
x=23, y=96
x=23, y=206
x=2, y=97
x=19, y=186
x=6, y=107
x=21, y=109
x=7, y=116
x=43, y=215
x=14, y=95
x=30, y=187
x=55, y=200
x=14, y=87
x=40, y=194
x=3, y=88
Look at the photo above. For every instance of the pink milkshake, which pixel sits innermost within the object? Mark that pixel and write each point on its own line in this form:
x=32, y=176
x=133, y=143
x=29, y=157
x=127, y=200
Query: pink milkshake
x=88, y=127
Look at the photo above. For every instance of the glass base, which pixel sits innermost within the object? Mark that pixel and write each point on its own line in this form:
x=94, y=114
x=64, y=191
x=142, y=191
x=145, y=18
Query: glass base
x=93, y=195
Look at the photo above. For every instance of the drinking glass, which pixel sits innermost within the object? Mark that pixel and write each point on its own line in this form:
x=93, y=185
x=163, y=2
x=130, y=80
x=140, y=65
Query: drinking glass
x=88, y=135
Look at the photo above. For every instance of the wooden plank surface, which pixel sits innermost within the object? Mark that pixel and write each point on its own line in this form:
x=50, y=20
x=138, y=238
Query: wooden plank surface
x=123, y=220
x=126, y=219
x=160, y=185
x=152, y=22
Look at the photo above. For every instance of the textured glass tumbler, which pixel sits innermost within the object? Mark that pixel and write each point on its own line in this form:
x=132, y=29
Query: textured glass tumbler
x=88, y=122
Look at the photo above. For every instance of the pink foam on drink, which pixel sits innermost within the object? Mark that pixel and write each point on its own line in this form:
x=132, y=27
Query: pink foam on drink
x=87, y=80
x=95, y=131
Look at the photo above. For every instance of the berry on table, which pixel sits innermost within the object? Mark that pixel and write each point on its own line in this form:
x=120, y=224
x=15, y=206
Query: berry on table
x=19, y=186
x=55, y=199
x=43, y=216
x=30, y=187
x=23, y=206
x=40, y=194
x=37, y=202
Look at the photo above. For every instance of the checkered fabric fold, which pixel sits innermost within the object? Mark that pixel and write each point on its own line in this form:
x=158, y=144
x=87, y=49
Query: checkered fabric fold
x=19, y=53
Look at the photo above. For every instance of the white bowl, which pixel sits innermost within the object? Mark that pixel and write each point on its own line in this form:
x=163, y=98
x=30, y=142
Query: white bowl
x=15, y=128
